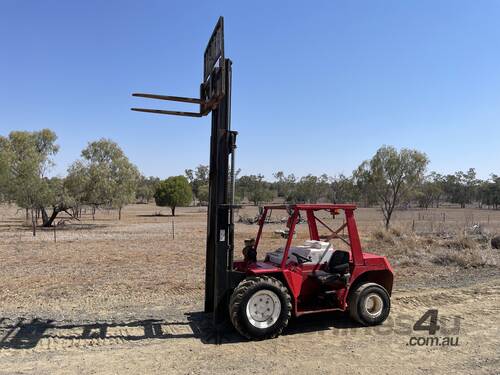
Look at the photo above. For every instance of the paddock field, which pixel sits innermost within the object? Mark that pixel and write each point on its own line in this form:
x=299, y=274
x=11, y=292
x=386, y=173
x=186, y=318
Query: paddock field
x=109, y=296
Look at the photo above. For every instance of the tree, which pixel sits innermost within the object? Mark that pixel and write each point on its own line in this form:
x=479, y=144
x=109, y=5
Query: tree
x=461, y=187
x=197, y=178
x=425, y=194
x=173, y=192
x=489, y=192
x=254, y=188
x=77, y=183
x=26, y=157
x=437, y=181
x=203, y=196
x=125, y=179
x=361, y=181
x=58, y=198
x=284, y=184
x=146, y=188
x=342, y=190
x=309, y=189
x=108, y=176
x=392, y=175
x=5, y=172
x=429, y=192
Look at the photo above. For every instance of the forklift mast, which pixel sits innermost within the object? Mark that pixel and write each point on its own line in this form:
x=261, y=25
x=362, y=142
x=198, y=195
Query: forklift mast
x=215, y=97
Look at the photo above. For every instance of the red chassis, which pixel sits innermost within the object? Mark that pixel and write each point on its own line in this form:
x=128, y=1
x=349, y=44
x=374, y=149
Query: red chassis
x=299, y=278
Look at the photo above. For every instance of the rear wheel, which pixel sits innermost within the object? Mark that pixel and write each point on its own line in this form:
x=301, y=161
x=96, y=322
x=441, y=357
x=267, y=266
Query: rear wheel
x=260, y=307
x=369, y=304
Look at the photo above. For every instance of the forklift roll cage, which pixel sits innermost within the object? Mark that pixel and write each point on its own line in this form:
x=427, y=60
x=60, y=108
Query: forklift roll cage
x=312, y=222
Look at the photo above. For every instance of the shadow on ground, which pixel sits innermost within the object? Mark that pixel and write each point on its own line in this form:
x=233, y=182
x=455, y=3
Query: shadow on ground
x=155, y=215
x=27, y=334
x=75, y=227
x=316, y=323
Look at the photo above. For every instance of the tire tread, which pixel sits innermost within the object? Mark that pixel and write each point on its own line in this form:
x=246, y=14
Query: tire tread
x=354, y=299
x=239, y=294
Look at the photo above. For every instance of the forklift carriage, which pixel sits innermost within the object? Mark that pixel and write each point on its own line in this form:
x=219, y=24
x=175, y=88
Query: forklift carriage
x=261, y=296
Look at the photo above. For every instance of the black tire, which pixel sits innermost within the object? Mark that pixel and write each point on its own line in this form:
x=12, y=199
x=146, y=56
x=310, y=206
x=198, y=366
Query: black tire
x=357, y=304
x=239, y=301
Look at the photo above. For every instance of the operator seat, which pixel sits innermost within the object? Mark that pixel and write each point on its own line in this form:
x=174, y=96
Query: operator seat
x=337, y=270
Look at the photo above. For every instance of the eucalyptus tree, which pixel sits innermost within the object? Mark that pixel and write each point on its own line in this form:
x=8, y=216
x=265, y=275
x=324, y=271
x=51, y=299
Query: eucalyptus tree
x=392, y=175
x=107, y=176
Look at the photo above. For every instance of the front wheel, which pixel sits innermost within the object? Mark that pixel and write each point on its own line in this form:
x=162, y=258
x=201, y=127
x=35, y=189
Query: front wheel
x=260, y=307
x=369, y=304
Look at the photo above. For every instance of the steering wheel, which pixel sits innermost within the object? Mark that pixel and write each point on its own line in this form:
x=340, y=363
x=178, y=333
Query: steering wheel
x=301, y=259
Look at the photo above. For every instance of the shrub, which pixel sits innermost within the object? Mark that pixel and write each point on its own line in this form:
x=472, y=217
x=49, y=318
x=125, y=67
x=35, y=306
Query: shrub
x=173, y=192
x=460, y=243
x=464, y=259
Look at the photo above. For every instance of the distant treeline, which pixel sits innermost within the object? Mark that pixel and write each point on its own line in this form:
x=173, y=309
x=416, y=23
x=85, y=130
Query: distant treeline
x=386, y=180
x=104, y=177
x=461, y=188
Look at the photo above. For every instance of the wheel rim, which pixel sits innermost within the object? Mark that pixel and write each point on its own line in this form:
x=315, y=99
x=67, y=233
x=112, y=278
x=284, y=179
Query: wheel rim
x=263, y=309
x=374, y=305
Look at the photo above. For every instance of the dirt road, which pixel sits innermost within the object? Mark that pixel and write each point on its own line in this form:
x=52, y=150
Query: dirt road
x=324, y=344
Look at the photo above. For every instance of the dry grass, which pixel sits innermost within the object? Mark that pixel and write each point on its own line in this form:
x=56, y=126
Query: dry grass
x=464, y=258
x=410, y=249
x=461, y=243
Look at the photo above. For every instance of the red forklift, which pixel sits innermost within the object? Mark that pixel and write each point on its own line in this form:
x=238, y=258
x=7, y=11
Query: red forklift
x=259, y=297
x=312, y=277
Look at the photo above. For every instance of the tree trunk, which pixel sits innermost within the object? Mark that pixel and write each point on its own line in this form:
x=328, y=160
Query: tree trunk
x=47, y=221
x=173, y=210
x=27, y=215
x=119, y=213
x=33, y=222
x=387, y=216
x=93, y=213
x=45, y=217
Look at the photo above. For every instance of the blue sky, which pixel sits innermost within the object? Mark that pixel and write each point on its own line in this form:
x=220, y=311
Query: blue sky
x=318, y=85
